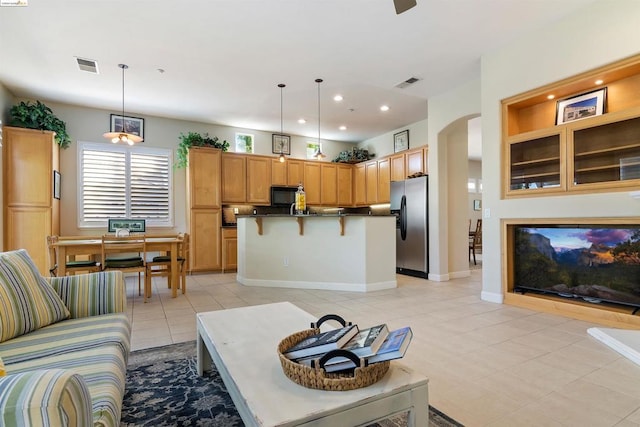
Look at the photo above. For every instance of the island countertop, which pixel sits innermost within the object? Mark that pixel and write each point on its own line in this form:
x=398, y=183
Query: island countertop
x=311, y=215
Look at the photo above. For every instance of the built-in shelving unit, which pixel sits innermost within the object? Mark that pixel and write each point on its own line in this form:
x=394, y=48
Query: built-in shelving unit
x=598, y=153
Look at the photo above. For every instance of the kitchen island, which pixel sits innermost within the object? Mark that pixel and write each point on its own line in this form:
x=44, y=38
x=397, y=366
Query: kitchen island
x=349, y=252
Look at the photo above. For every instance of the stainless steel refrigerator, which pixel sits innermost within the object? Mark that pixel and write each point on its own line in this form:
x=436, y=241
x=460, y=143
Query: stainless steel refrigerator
x=409, y=203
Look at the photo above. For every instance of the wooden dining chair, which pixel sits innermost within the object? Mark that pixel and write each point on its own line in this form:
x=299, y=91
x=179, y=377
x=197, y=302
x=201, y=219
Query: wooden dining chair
x=475, y=241
x=160, y=266
x=72, y=266
x=127, y=254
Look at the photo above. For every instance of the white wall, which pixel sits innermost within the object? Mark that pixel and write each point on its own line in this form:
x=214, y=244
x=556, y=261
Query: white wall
x=608, y=31
x=88, y=124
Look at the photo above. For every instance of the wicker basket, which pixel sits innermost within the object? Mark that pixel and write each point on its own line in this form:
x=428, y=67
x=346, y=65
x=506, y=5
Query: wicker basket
x=317, y=378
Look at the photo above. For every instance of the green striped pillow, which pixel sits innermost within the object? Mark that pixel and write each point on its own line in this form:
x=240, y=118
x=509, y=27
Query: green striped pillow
x=27, y=301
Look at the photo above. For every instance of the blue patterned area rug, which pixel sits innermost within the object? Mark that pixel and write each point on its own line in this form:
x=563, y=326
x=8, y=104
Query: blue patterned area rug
x=163, y=389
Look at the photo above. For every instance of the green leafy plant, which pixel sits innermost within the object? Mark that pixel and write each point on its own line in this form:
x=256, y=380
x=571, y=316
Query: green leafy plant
x=194, y=139
x=39, y=116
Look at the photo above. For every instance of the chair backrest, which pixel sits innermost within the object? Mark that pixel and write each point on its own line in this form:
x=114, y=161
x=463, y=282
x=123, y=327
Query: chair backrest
x=123, y=245
x=479, y=226
x=53, y=253
x=477, y=236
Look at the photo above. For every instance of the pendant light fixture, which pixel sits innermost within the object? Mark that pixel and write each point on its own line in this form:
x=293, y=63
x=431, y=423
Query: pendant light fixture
x=123, y=136
x=319, y=154
x=281, y=157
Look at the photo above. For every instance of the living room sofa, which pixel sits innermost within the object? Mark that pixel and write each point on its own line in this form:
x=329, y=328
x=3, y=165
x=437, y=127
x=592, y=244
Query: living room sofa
x=64, y=344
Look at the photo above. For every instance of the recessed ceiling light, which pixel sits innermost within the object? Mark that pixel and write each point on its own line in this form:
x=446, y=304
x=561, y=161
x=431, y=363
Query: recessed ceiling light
x=343, y=127
x=550, y=96
x=384, y=108
x=599, y=82
x=302, y=121
x=338, y=98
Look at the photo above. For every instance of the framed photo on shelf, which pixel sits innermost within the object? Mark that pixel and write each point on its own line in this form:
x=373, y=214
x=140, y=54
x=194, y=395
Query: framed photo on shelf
x=280, y=144
x=401, y=141
x=581, y=106
x=56, y=185
x=133, y=225
x=132, y=125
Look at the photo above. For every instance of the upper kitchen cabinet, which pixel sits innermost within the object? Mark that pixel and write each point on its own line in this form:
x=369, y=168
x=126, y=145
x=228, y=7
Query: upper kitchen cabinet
x=416, y=161
x=384, y=180
x=345, y=185
x=203, y=171
x=397, y=163
x=234, y=178
x=295, y=172
x=328, y=184
x=258, y=180
x=360, y=184
x=312, y=183
x=278, y=172
x=586, y=149
x=31, y=213
x=371, y=169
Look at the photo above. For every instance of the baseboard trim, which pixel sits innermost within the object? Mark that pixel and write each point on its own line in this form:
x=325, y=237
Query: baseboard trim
x=491, y=297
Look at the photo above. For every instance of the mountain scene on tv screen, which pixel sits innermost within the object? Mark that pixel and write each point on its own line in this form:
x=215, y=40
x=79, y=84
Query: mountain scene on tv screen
x=596, y=264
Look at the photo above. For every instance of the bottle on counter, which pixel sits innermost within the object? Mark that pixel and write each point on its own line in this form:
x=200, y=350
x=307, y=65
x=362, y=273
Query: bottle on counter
x=301, y=201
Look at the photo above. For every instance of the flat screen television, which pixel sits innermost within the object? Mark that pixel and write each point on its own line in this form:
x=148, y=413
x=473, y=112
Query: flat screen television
x=594, y=263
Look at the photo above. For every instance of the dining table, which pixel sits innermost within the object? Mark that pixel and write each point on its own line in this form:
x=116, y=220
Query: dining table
x=91, y=246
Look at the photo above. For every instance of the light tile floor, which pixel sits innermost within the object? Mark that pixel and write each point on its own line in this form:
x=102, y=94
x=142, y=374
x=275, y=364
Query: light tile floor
x=488, y=364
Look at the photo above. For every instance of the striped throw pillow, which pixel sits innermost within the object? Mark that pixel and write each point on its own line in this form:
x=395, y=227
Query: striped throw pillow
x=27, y=301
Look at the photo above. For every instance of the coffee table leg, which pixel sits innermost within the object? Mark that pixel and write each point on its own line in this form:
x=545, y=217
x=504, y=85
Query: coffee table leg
x=204, y=358
x=419, y=414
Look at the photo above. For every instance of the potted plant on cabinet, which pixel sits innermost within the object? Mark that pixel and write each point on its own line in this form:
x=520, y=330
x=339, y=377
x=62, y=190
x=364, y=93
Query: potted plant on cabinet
x=39, y=116
x=194, y=139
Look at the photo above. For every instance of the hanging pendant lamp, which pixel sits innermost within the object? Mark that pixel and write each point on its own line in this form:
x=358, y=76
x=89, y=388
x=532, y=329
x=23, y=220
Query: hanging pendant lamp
x=319, y=154
x=281, y=157
x=123, y=136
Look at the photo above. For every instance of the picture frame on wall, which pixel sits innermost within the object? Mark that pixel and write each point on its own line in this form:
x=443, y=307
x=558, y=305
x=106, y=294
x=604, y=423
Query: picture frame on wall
x=589, y=104
x=280, y=144
x=401, y=141
x=132, y=125
x=477, y=205
x=56, y=185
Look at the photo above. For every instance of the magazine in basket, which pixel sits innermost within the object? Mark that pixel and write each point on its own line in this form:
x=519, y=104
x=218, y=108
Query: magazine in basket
x=322, y=342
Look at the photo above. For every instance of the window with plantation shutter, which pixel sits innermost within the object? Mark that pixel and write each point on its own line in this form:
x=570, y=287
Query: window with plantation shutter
x=124, y=182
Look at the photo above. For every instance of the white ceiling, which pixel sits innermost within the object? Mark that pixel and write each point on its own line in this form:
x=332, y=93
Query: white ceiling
x=223, y=59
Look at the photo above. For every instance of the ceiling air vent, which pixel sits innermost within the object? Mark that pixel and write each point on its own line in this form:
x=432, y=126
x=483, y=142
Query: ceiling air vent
x=408, y=82
x=88, y=65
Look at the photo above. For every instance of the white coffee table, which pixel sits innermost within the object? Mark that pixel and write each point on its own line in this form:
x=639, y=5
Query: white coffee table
x=242, y=342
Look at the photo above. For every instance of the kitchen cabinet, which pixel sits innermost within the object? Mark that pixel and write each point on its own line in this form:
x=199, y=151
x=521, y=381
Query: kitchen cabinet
x=360, y=185
x=258, y=180
x=397, y=164
x=204, y=208
x=384, y=180
x=234, y=178
x=329, y=184
x=312, y=183
x=345, y=185
x=592, y=154
x=295, y=172
x=278, y=172
x=371, y=169
x=416, y=161
x=229, y=249
x=31, y=213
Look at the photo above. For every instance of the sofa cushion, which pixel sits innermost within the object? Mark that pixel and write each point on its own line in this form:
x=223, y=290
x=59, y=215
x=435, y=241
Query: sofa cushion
x=68, y=337
x=95, y=347
x=27, y=301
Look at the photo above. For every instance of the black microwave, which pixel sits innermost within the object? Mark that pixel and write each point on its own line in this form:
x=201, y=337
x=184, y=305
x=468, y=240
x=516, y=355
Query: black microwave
x=283, y=196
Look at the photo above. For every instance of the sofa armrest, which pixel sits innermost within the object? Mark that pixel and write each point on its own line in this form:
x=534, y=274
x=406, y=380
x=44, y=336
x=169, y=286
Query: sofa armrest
x=92, y=294
x=49, y=397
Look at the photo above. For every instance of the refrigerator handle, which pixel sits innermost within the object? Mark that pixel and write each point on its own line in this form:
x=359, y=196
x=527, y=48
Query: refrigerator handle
x=403, y=217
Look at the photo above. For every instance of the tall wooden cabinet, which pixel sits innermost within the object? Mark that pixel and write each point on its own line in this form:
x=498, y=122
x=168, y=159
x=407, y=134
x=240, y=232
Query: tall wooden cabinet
x=31, y=213
x=204, y=210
